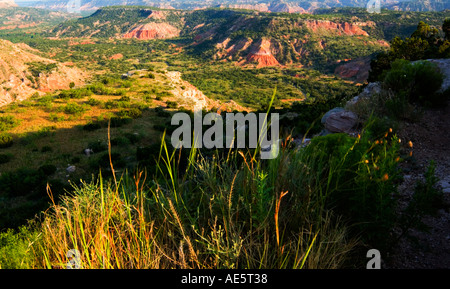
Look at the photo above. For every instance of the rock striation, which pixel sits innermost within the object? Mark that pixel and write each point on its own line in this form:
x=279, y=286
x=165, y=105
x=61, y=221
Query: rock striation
x=344, y=28
x=153, y=30
x=261, y=54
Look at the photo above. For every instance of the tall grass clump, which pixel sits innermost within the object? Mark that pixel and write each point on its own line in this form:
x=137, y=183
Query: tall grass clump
x=308, y=208
x=214, y=214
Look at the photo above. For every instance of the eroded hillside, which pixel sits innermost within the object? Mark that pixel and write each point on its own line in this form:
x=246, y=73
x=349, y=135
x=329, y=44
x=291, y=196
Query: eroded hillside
x=24, y=73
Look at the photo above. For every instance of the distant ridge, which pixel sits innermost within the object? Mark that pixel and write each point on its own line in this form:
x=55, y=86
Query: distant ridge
x=7, y=3
x=287, y=6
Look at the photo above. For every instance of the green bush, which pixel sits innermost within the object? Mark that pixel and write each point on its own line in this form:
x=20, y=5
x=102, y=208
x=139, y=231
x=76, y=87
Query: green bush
x=56, y=118
x=161, y=112
x=47, y=170
x=133, y=137
x=120, y=121
x=92, y=126
x=130, y=113
x=46, y=149
x=172, y=104
x=426, y=200
x=75, y=93
x=417, y=82
x=14, y=248
x=125, y=98
x=93, y=102
x=110, y=104
x=358, y=176
x=116, y=159
x=8, y=122
x=6, y=140
x=120, y=141
x=23, y=181
x=98, y=146
x=74, y=108
x=5, y=158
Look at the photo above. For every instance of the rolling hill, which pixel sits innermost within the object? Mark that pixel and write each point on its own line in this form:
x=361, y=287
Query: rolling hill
x=246, y=37
x=24, y=73
x=12, y=17
x=291, y=6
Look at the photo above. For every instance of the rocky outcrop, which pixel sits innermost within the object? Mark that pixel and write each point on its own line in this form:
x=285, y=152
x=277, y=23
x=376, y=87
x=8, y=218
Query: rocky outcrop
x=116, y=56
x=344, y=28
x=153, y=30
x=261, y=54
x=357, y=70
x=371, y=89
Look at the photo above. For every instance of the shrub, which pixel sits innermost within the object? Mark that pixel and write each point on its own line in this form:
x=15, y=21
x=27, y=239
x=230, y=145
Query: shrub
x=110, y=104
x=161, y=112
x=92, y=126
x=14, y=248
x=46, y=149
x=74, y=108
x=98, y=146
x=417, y=82
x=75, y=160
x=125, y=98
x=358, y=176
x=45, y=101
x=5, y=158
x=8, y=122
x=47, y=170
x=133, y=137
x=6, y=140
x=93, y=102
x=23, y=181
x=172, y=104
x=427, y=198
x=116, y=159
x=120, y=141
x=120, y=121
x=56, y=118
x=130, y=113
x=75, y=93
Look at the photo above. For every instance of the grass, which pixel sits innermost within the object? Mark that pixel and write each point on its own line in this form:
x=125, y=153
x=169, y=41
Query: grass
x=207, y=217
x=225, y=209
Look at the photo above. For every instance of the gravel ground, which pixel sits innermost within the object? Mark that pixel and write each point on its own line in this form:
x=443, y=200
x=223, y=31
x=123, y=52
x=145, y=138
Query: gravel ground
x=431, y=141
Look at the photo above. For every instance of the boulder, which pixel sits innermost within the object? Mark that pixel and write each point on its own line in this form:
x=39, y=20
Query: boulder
x=370, y=90
x=327, y=115
x=339, y=120
x=71, y=169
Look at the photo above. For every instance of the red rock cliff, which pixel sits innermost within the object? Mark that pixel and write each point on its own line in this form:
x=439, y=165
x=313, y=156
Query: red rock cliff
x=340, y=28
x=261, y=54
x=153, y=30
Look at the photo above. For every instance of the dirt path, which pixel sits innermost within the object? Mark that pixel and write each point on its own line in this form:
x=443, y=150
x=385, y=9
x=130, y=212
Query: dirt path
x=431, y=140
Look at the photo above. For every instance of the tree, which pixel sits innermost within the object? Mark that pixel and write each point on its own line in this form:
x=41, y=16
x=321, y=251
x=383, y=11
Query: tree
x=446, y=28
x=72, y=85
x=426, y=32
